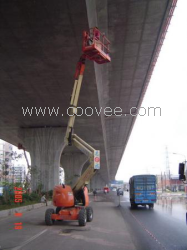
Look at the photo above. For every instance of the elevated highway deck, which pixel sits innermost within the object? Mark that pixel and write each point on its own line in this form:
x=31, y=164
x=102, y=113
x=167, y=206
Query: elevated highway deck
x=39, y=47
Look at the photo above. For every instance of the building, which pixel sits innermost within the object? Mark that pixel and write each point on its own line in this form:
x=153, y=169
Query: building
x=18, y=173
x=171, y=182
x=10, y=170
x=6, y=150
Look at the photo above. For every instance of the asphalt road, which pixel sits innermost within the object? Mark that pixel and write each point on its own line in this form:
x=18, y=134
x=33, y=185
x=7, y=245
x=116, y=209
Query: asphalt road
x=107, y=231
x=164, y=227
x=114, y=227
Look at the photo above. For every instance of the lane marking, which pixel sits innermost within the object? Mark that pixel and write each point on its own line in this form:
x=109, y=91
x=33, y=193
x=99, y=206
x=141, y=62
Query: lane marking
x=150, y=234
x=29, y=240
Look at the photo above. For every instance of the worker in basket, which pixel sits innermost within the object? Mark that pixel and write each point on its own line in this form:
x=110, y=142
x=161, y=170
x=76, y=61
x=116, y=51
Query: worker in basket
x=96, y=34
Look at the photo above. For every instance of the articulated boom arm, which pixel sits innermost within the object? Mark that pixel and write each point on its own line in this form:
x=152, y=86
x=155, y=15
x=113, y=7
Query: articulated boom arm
x=95, y=48
x=90, y=171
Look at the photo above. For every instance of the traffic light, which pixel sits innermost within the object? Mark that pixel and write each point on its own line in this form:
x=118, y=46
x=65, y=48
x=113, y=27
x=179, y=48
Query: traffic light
x=181, y=172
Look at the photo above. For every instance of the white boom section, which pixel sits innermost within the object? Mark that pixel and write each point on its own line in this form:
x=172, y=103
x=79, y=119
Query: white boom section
x=74, y=101
x=90, y=171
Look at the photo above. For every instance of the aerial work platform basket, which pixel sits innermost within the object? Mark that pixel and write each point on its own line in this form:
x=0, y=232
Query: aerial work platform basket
x=96, y=46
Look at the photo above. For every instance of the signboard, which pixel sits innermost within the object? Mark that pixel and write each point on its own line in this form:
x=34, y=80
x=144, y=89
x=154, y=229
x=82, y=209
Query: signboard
x=114, y=182
x=96, y=159
x=117, y=184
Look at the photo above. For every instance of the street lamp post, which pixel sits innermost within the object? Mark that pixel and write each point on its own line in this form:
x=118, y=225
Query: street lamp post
x=165, y=181
x=161, y=181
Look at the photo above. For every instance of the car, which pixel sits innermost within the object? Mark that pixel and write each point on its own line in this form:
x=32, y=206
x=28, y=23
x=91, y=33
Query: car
x=119, y=191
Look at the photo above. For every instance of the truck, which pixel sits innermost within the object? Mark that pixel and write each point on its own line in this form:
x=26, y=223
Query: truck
x=142, y=190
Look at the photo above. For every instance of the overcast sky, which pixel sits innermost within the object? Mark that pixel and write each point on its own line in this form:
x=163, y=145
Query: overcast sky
x=145, y=152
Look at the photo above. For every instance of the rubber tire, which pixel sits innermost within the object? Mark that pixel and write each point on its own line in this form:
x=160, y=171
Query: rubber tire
x=82, y=217
x=133, y=206
x=58, y=209
x=48, y=220
x=89, y=213
x=151, y=206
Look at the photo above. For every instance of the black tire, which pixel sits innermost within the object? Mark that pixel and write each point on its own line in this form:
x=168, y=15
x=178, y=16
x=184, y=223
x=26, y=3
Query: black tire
x=151, y=206
x=58, y=209
x=82, y=217
x=89, y=212
x=48, y=214
x=133, y=206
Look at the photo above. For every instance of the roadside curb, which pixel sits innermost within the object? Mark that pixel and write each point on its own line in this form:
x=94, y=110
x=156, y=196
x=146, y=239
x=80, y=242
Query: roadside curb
x=9, y=212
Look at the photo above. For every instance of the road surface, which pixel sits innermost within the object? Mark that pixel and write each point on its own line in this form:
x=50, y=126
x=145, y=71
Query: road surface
x=164, y=227
x=114, y=227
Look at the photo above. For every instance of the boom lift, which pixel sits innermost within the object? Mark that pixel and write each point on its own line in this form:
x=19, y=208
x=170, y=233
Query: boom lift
x=72, y=203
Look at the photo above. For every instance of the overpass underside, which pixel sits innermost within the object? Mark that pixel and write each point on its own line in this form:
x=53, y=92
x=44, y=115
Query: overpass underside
x=39, y=47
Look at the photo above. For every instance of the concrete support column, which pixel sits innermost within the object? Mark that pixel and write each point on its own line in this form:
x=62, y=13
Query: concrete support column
x=45, y=146
x=97, y=182
x=73, y=162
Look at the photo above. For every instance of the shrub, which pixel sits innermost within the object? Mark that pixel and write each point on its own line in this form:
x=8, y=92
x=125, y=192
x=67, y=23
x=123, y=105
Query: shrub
x=2, y=201
x=26, y=197
x=34, y=197
x=50, y=193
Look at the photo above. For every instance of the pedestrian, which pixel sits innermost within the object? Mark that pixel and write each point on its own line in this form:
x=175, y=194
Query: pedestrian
x=95, y=192
x=43, y=199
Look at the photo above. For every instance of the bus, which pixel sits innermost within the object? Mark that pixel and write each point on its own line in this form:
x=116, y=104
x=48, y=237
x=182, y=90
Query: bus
x=142, y=190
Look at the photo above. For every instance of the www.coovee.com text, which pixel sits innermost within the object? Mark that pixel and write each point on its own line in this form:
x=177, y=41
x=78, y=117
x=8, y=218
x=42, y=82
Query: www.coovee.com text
x=89, y=111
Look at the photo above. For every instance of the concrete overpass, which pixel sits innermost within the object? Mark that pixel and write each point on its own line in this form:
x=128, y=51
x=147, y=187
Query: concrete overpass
x=39, y=47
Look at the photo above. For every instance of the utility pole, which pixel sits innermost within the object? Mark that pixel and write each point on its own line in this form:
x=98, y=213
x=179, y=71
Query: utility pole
x=165, y=180
x=162, y=182
x=168, y=169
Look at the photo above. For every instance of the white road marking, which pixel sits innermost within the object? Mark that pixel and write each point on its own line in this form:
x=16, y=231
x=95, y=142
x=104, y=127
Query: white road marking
x=150, y=234
x=29, y=240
